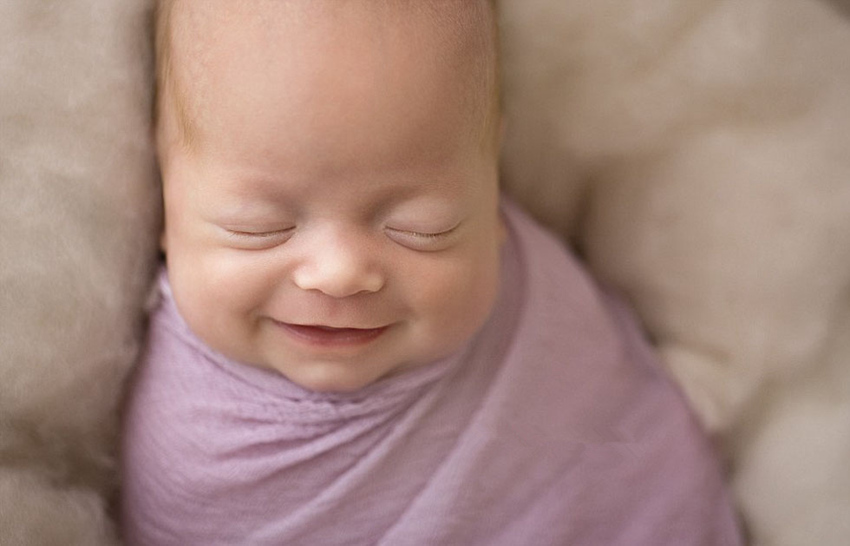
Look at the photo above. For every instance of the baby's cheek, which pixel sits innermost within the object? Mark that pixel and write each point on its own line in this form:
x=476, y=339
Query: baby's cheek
x=460, y=298
x=242, y=281
x=219, y=291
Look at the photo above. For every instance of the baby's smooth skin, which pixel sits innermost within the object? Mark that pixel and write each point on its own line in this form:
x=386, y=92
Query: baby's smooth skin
x=330, y=181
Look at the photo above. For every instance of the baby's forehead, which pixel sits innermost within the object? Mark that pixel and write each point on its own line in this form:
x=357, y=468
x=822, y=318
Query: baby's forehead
x=456, y=29
x=300, y=40
x=445, y=16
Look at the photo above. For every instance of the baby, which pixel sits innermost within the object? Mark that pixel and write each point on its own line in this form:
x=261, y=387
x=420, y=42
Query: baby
x=359, y=341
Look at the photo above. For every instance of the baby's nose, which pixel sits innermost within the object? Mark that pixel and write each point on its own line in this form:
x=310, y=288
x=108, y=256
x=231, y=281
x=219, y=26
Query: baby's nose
x=339, y=266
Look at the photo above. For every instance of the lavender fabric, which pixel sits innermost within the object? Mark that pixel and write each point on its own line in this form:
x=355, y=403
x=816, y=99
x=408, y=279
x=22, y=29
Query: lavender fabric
x=553, y=426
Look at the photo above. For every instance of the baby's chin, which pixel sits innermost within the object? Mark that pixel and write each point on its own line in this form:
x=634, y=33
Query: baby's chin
x=335, y=377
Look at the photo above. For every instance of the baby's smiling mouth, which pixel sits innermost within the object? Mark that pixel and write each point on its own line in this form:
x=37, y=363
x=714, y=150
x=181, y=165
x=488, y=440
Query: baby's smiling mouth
x=317, y=334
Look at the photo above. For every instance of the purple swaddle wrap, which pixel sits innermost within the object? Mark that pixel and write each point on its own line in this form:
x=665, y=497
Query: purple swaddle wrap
x=553, y=426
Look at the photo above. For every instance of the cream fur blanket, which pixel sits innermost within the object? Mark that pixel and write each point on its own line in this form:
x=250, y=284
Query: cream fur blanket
x=78, y=222
x=706, y=148
x=696, y=151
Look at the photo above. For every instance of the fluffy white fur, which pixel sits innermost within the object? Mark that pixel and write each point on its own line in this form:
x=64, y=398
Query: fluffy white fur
x=78, y=225
x=697, y=153
x=695, y=150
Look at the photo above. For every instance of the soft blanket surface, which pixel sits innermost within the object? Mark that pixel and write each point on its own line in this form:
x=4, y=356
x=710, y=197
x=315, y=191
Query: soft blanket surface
x=696, y=152
x=78, y=226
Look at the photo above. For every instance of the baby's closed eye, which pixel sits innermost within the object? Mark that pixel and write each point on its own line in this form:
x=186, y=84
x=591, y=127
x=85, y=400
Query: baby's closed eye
x=258, y=237
x=423, y=240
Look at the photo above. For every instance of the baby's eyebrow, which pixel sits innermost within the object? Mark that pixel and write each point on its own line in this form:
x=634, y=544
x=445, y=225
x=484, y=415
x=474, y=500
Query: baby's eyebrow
x=253, y=187
x=232, y=207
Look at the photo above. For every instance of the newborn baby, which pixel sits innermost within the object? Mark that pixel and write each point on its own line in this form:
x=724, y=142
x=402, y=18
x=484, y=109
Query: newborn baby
x=358, y=340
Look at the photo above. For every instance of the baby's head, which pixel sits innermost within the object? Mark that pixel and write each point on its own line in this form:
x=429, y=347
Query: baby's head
x=330, y=180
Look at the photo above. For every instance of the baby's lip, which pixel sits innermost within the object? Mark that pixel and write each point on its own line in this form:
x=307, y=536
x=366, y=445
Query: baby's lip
x=319, y=334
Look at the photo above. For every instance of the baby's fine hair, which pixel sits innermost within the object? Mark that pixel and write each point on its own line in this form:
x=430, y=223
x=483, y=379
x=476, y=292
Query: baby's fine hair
x=471, y=14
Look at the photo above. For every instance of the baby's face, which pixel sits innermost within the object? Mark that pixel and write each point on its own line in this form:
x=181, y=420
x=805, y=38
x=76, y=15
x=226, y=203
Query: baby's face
x=335, y=217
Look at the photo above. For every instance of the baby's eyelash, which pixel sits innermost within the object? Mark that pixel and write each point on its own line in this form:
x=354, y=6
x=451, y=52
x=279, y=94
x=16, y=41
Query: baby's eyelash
x=257, y=234
x=421, y=240
x=424, y=235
